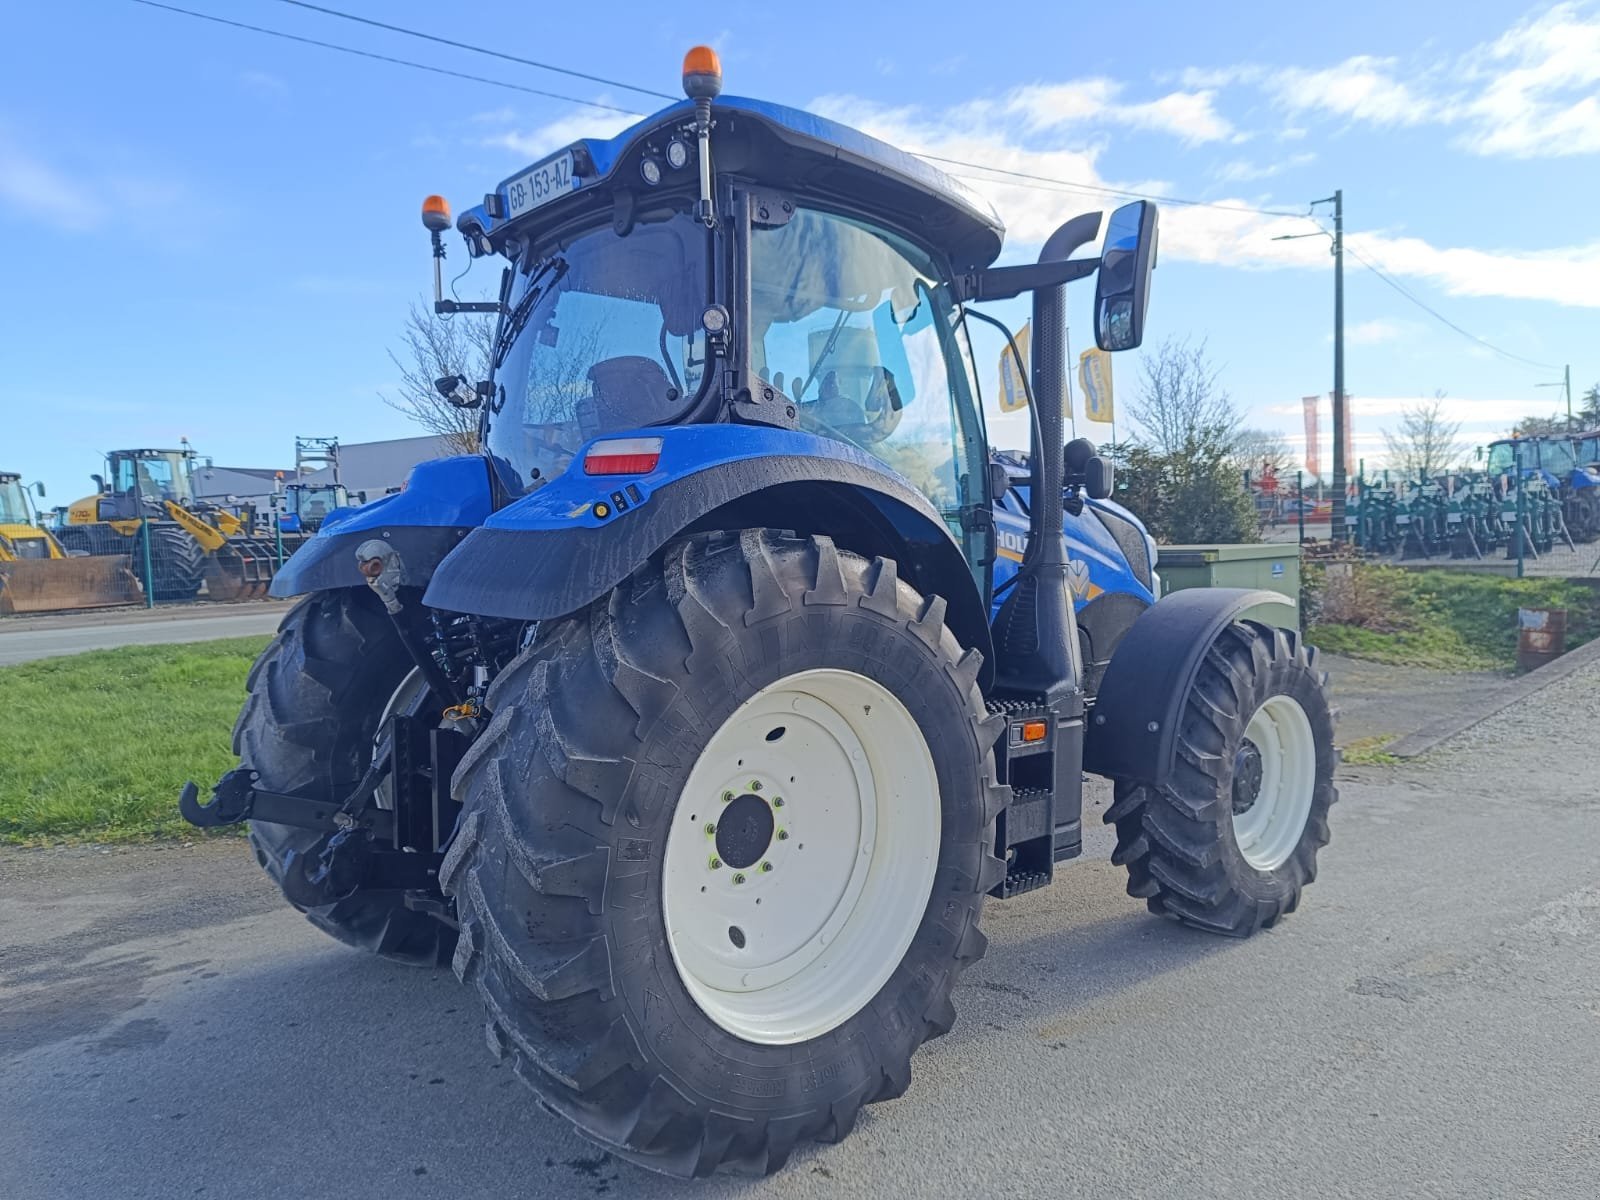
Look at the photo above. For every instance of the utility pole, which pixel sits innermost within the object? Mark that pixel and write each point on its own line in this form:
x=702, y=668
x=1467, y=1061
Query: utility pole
x=1565, y=381
x=1337, y=532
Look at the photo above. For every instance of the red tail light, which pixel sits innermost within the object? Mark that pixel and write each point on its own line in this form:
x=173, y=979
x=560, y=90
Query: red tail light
x=623, y=456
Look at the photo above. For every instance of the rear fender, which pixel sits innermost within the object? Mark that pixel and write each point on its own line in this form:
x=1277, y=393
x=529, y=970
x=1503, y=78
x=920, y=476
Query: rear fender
x=1134, y=728
x=442, y=501
x=557, y=550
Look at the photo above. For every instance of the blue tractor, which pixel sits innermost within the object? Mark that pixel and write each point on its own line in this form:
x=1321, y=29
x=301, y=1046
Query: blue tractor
x=697, y=717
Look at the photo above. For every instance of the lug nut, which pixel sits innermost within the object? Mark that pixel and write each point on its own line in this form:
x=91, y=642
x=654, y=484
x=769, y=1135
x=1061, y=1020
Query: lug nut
x=738, y=877
x=755, y=785
x=716, y=863
x=727, y=796
x=777, y=802
x=766, y=866
x=783, y=835
x=711, y=830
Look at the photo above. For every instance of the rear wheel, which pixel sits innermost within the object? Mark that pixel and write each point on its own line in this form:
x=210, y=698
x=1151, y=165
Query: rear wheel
x=177, y=561
x=317, y=696
x=724, y=850
x=1231, y=840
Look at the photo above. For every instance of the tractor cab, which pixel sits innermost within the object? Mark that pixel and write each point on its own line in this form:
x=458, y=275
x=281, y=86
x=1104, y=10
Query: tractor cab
x=139, y=483
x=15, y=507
x=305, y=506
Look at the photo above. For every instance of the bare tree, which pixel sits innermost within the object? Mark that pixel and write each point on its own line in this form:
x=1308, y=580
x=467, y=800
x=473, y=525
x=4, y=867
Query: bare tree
x=1261, y=450
x=1426, y=444
x=1180, y=407
x=1589, y=407
x=434, y=346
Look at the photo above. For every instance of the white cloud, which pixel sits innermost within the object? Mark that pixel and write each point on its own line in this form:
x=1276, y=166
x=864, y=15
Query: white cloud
x=533, y=144
x=1244, y=172
x=38, y=190
x=1188, y=115
x=1531, y=92
x=1537, y=88
x=1362, y=88
x=1232, y=236
x=1376, y=332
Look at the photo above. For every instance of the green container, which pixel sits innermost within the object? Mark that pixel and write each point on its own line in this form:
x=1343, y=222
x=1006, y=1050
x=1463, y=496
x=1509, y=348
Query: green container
x=1270, y=566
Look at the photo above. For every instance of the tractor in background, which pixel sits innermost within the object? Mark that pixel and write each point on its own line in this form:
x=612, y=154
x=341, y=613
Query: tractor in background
x=145, y=509
x=696, y=720
x=37, y=575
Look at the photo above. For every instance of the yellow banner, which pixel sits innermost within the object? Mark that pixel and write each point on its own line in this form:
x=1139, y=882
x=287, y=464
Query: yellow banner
x=1094, y=374
x=1013, y=396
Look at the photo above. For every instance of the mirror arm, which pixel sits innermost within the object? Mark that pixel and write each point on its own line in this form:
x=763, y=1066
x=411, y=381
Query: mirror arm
x=1004, y=283
x=446, y=307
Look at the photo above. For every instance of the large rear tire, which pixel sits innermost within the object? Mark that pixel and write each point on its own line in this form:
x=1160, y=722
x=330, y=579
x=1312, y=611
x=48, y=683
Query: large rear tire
x=678, y=788
x=1231, y=840
x=177, y=561
x=317, y=694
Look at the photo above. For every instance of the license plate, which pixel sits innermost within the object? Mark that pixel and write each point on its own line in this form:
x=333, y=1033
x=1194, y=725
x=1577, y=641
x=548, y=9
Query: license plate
x=549, y=180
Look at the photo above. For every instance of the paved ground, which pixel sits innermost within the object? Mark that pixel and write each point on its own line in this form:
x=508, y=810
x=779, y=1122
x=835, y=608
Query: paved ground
x=23, y=639
x=1378, y=700
x=1428, y=1024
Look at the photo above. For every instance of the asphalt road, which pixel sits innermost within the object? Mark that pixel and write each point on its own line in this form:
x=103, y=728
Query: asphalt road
x=1428, y=1024
x=24, y=639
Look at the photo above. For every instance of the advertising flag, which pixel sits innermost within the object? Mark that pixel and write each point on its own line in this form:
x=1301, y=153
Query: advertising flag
x=1013, y=396
x=1094, y=373
x=1313, y=454
x=1344, y=436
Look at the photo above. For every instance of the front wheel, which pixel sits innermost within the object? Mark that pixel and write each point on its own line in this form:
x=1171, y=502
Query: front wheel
x=1228, y=843
x=724, y=850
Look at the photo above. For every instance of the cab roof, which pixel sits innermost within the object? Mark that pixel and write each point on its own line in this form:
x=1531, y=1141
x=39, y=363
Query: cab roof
x=772, y=145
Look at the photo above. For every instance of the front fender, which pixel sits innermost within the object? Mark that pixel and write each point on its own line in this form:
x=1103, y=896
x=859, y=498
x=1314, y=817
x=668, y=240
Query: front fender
x=1133, y=732
x=443, y=500
x=559, y=549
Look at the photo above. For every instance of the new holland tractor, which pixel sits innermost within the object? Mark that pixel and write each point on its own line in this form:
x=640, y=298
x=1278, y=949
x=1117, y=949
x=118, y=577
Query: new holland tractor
x=145, y=509
x=697, y=718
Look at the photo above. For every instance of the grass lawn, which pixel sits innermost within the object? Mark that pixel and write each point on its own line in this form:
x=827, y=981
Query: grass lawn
x=95, y=746
x=1450, y=620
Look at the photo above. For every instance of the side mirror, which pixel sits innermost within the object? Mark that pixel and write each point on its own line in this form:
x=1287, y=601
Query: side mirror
x=1083, y=468
x=1099, y=478
x=1122, y=288
x=39, y=488
x=455, y=389
x=999, y=481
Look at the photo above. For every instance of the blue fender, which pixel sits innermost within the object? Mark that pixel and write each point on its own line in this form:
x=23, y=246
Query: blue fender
x=558, y=549
x=443, y=500
x=1581, y=479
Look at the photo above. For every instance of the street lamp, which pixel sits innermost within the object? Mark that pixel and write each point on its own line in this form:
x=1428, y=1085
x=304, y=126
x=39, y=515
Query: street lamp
x=1564, y=382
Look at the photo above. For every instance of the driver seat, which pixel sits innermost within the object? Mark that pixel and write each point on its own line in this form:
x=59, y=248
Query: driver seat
x=628, y=390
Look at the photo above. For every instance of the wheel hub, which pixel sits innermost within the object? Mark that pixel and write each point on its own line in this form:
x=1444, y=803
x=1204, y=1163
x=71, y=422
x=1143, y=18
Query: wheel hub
x=801, y=856
x=1246, y=777
x=745, y=831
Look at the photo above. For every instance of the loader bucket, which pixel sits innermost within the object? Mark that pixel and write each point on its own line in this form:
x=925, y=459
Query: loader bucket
x=240, y=570
x=47, y=584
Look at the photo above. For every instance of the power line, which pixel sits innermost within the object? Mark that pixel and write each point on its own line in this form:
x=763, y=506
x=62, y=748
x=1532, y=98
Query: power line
x=1101, y=188
x=1440, y=317
x=444, y=41
x=401, y=62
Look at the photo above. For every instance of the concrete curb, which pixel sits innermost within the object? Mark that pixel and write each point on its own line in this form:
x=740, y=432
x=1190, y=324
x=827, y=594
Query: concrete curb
x=1430, y=735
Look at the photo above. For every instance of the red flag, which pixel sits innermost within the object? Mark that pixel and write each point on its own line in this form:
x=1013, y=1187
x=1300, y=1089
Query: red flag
x=1312, y=453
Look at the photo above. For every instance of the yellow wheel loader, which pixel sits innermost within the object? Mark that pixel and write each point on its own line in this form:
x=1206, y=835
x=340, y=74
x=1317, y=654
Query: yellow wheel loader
x=37, y=575
x=146, y=506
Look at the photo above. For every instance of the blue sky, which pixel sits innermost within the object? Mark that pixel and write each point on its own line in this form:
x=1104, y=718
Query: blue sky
x=214, y=234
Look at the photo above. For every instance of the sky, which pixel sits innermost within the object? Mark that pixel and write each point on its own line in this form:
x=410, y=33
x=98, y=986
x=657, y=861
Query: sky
x=212, y=233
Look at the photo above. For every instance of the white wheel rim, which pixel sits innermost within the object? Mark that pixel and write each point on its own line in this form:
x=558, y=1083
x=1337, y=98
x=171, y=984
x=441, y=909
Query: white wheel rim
x=1269, y=828
x=829, y=907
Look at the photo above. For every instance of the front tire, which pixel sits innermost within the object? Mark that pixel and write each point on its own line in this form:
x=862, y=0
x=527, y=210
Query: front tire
x=620, y=857
x=317, y=694
x=1230, y=841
